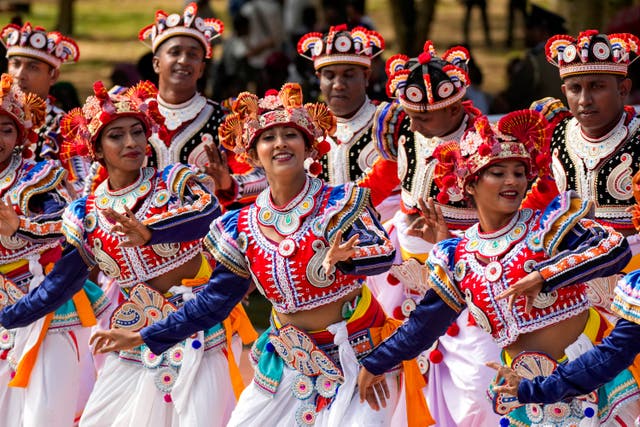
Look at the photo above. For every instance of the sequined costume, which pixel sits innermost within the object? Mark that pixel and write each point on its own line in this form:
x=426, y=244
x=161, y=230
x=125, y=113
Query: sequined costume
x=288, y=387
x=566, y=248
x=138, y=387
x=38, y=362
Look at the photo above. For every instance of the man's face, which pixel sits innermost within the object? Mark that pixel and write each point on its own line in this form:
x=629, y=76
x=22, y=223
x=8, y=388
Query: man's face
x=344, y=87
x=32, y=75
x=596, y=101
x=179, y=62
x=433, y=123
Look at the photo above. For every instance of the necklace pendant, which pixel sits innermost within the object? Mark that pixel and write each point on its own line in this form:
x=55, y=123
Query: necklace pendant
x=493, y=271
x=287, y=247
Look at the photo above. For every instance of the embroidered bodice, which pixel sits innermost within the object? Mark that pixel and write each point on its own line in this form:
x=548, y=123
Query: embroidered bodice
x=599, y=170
x=414, y=154
x=290, y=273
x=173, y=195
x=37, y=194
x=352, y=152
x=510, y=253
x=190, y=126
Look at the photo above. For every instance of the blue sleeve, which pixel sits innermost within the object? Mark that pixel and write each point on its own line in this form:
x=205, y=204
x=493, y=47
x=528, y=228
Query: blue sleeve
x=191, y=221
x=589, y=371
x=65, y=280
x=588, y=251
x=375, y=252
x=211, y=306
x=427, y=323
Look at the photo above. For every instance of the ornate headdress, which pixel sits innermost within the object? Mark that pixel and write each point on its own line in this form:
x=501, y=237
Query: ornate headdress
x=341, y=46
x=81, y=126
x=26, y=109
x=188, y=24
x=252, y=116
x=520, y=135
x=428, y=83
x=592, y=53
x=52, y=48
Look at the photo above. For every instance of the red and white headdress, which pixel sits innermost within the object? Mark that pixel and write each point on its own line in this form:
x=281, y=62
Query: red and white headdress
x=592, y=53
x=26, y=109
x=519, y=135
x=52, y=48
x=251, y=116
x=188, y=24
x=428, y=82
x=341, y=46
x=81, y=127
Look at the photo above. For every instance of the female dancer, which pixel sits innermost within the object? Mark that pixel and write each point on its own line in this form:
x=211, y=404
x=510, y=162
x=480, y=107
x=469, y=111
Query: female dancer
x=138, y=387
x=600, y=364
x=290, y=244
x=508, y=246
x=39, y=362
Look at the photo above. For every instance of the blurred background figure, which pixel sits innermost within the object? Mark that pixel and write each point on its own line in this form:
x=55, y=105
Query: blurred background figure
x=515, y=6
x=482, y=5
x=531, y=77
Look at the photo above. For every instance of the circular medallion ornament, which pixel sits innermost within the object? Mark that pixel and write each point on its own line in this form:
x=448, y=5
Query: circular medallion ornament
x=413, y=93
x=302, y=387
x=342, y=44
x=165, y=378
x=161, y=198
x=175, y=356
x=535, y=412
x=445, y=89
x=569, y=53
x=286, y=247
x=173, y=20
x=408, y=306
x=326, y=387
x=601, y=51
x=529, y=265
x=423, y=363
x=149, y=359
x=6, y=339
x=493, y=271
x=38, y=40
x=90, y=222
x=306, y=415
x=460, y=270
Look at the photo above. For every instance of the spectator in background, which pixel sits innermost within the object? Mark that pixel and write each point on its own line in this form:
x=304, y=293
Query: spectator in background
x=481, y=99
x=356, y=16
x=125, y=74
x=232, y=70
x=266, y=35
x=469, y=5
x=65, y=95
x=515, y=6
x=532, y=77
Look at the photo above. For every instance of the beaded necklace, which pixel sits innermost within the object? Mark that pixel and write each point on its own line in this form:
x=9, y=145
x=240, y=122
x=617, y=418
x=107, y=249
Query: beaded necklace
x=496, y=244
x=286, y=220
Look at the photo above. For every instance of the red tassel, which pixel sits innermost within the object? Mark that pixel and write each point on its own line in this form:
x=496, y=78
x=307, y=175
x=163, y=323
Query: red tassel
x=435, y=356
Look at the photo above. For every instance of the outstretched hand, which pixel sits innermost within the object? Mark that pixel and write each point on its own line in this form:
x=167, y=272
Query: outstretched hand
x=134, y=232
x=9, y=220
x=529, y=287
x=115, y=339
x=373, y=389
x=430, y=225
x=217, y=168
x=511, y=379
x=339, y=251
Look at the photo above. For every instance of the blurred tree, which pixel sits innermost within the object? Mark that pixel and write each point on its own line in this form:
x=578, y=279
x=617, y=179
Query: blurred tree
x=65, y=17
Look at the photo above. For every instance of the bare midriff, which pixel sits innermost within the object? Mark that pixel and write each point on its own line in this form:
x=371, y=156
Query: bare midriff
x=553, y=339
